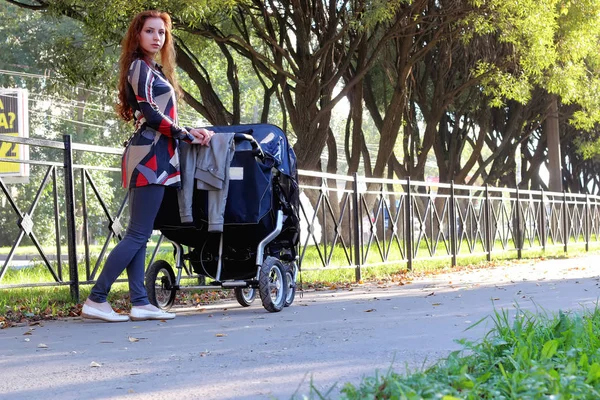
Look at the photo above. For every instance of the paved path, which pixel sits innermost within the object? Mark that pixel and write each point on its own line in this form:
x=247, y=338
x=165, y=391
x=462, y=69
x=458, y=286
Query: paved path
x=328, y=337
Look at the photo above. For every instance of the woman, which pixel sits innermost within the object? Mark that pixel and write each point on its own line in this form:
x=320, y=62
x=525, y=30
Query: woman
x=150, y=162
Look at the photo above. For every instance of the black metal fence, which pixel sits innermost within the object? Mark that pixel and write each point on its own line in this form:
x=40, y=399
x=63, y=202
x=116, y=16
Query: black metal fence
x=346, y=222
x=401, y=221
x=60, y=177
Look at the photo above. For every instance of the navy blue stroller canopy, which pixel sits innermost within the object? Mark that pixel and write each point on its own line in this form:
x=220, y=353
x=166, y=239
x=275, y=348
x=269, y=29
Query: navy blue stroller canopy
x=250, y=186
x=273, y=142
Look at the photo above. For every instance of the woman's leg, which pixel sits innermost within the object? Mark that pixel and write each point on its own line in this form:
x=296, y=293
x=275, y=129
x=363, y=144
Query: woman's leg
x=130, y=252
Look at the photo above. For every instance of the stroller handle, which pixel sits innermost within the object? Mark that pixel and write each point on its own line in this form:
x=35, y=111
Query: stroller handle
x=256, y=149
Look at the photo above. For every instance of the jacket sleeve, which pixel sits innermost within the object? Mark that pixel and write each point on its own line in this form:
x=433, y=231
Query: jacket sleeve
x=142, y=80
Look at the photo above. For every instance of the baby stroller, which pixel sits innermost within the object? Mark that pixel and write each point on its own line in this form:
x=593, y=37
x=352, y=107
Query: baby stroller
x=257, y=248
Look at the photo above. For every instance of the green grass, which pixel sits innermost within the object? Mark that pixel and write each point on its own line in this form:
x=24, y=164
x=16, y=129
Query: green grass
x=39, y=272
x=94, y=248
x=313, y=271
x=528, y=356
x=390, y=250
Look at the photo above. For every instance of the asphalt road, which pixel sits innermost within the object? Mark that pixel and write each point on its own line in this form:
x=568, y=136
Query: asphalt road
x=325, y=339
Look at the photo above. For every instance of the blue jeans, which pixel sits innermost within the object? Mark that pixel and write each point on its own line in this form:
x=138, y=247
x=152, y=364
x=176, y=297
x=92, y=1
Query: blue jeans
x=130, y=252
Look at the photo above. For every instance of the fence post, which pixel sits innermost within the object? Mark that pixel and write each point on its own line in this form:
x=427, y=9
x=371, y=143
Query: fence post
x=86, y=234
x=57, y=223
x=324, y=231
x=543, y=227
x=488, y=225
x=518, y=227
x=453, y=245
x=357, y=232
x=587, y=223
x=565, y=223
x=70, y=217
x=409, y=227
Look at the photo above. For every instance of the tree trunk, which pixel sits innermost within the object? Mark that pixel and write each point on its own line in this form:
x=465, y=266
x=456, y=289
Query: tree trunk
x=554, y=157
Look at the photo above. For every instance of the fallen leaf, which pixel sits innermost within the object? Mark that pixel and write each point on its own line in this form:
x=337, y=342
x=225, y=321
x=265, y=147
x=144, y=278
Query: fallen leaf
x=221, y=335
x=94, y=364
x=431, y=294
x=370, y=310
x=27, y=333
x=436, y=304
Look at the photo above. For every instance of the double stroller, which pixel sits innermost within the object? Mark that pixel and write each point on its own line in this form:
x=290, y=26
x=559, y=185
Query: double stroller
x=257, y=250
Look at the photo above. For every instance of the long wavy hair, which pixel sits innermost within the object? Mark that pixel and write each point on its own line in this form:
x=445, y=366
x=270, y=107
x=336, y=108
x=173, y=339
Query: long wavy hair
x=131, y=51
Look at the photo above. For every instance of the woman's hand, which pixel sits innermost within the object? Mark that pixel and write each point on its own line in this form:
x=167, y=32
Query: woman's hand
x=201, y=136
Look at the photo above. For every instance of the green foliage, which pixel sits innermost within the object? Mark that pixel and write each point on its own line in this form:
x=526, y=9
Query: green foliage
x=525, y=356
x=381, y=11
x=66, y=96
x=555, y=46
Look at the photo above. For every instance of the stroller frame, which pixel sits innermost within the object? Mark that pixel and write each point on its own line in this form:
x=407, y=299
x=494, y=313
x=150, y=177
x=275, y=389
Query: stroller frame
x=274, y=279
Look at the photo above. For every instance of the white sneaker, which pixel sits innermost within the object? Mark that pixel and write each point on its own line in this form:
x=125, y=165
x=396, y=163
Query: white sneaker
x=94, y=313
x=140, y=314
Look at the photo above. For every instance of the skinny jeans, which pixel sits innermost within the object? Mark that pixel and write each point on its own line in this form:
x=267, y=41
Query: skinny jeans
x=130, y=252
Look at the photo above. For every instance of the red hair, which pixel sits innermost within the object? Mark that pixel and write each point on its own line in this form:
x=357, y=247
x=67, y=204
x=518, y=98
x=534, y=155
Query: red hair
x=131, y=51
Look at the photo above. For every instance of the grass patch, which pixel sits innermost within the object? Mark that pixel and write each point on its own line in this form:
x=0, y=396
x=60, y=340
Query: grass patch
x=94, y=248
x=530, y=356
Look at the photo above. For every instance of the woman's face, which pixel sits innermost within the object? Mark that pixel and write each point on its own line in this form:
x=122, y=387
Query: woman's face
x=152, y=36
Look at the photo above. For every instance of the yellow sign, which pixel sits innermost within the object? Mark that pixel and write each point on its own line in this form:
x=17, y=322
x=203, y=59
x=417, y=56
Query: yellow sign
x=13, y=122
x=9, y=150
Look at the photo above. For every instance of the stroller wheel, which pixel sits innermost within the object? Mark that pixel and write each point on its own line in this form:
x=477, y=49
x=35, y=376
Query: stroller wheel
x=291, y=284
x=160, y=284
x=272, y=285
x=245, y=296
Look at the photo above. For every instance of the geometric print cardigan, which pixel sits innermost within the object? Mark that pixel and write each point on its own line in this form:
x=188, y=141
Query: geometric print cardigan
x=151, y=155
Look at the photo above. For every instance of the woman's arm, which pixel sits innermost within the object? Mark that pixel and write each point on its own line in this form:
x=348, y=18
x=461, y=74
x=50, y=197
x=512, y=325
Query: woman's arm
x=141, y=79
